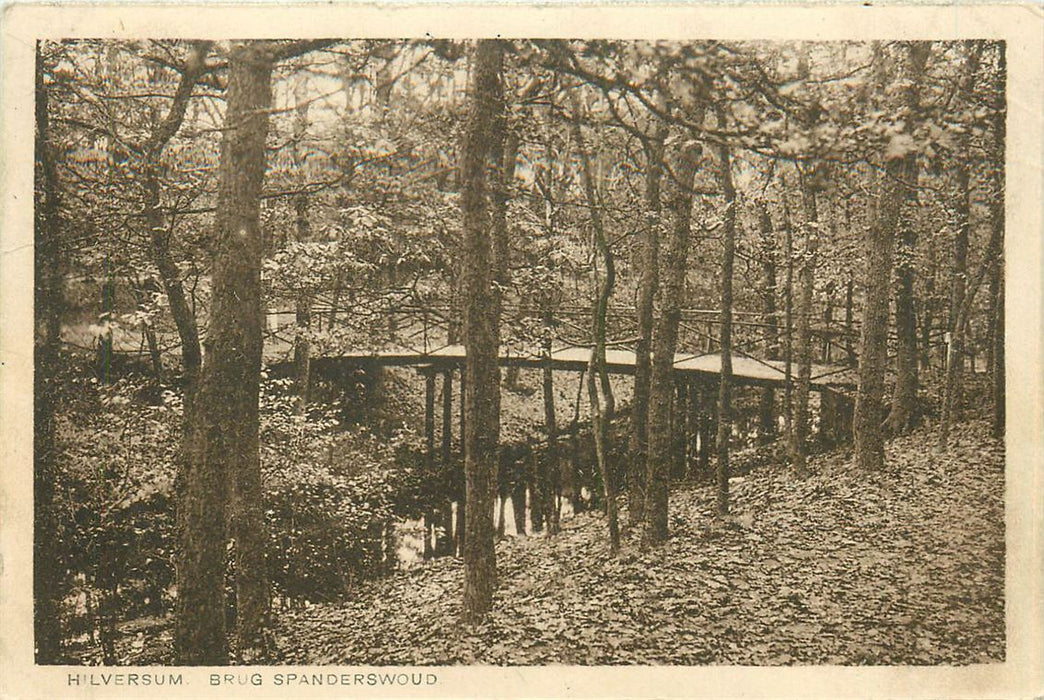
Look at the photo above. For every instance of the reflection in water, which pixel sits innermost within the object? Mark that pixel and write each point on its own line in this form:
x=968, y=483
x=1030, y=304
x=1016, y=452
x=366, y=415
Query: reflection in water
x=410, y=533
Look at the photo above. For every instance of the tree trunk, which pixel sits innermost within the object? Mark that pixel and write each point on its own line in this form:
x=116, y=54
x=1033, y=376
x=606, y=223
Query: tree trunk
x=303, y=302
x=788, y=319
x=647, y=284
x=678, y=414
x=429, y=521
x=599, y=390
x=767, y=398
x=806, y=281
x=575, y=478
x=460, y=517
x=870, y=408
x=997, y=271
x=180, y=310
x=503, y=154
x=48, y=300
x=159, y=235
x=725, y=382
x=959, y=283
x=143, y=291
x=537, y=493
x=225, y=441
x=104, y=347
x=191, y=362
x=928, y=311
x=665, y=342
x=446, y=432
x=873, y=349
x=518, y=506
x=502, y=499
x=481, y=332
x=552, y=467
x=850, y=356
x=997, y=366
x=905, y=414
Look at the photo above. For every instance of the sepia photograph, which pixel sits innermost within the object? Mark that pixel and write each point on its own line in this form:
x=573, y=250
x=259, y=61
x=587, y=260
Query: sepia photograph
x=359, y=360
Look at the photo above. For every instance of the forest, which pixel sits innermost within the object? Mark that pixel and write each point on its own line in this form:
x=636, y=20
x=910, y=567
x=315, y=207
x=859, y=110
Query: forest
x=519, y=351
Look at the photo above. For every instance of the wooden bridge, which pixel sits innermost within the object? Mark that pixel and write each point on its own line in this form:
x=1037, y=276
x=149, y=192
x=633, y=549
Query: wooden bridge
x=746, y=371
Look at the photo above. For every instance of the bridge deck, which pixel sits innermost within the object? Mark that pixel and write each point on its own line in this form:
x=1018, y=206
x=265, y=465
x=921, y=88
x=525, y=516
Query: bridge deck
x=745, y=370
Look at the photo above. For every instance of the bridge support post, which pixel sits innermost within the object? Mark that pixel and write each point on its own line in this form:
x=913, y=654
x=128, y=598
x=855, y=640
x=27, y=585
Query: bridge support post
x=692, y=429
x=444, y=537
x=835, y=417
x=447, y=416
x=458, y=528
x=678, y=424
x=825, y=434
x=429, y=453
x=707, y=432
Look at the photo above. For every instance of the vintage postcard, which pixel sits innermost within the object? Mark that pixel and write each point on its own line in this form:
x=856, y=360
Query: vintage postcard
x=538, y=351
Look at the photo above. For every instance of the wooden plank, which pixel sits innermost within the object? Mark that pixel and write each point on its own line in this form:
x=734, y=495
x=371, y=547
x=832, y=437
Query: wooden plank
x=746, y=370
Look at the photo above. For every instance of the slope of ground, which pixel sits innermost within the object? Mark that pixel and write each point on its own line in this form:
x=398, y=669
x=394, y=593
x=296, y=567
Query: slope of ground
x=905, y=566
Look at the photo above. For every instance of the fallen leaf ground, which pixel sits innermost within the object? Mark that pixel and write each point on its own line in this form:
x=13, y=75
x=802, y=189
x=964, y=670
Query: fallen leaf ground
x=905, y=566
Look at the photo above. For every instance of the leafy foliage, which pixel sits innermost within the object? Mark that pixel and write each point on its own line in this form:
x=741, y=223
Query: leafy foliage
x=331, y=495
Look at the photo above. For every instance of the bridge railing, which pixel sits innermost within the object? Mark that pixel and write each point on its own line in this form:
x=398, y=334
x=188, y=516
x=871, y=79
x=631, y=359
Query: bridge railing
x=405, y=322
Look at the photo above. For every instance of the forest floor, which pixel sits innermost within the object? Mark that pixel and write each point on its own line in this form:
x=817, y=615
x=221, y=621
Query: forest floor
x=905, y=566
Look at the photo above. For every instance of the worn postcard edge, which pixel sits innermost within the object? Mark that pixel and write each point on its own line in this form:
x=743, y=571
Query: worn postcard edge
x=1020, y=25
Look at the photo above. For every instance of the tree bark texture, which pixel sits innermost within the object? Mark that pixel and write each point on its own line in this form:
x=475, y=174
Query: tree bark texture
x=551, y=462
x=518, y=505
x=959, y=281
x=905, y=414
x=224, y=446
x=850, y=355
x=191, y=362
x=303, y=229
x=803, y=340
x=481, y=332
x=873, y=353
x=47, y=300
x=997, y=271
x=725, y=380
x=665, y=342
x=870, y=409
x=429, y=519
x=599, y=390
x=159, y=235
x=767, y=397
x=648, y=281
x=788, y=319
x=997, y=366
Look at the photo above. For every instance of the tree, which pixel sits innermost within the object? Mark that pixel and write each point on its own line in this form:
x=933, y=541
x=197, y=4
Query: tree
x=599, y=390
x=192, y=70
x=223, y=461
x=904, y=414
x=957, y=319
x=767, y=245
x=47, y=300
x=481, y=331
x=224, y=449
x=725, y=379
x=997, y=220
x=648, y=282
x=303, y=228
x=803, y=340
x=870, y=410
x=807, y=174
x=665, y=342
